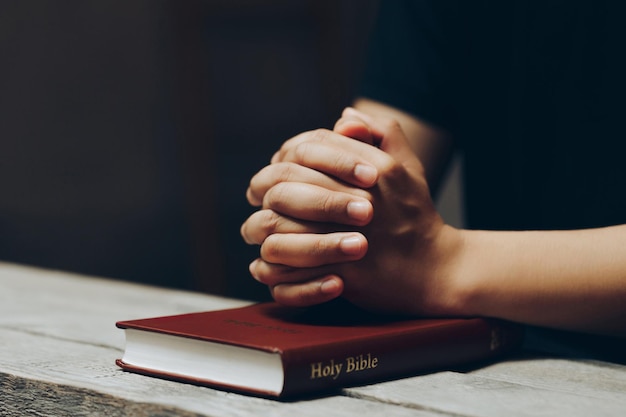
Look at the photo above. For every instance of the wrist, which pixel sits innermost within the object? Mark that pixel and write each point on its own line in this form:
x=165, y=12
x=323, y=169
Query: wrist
x=451, y=291
x=473, y=263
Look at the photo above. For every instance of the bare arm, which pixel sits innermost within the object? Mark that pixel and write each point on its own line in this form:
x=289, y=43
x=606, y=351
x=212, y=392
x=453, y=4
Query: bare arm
x=574, y=280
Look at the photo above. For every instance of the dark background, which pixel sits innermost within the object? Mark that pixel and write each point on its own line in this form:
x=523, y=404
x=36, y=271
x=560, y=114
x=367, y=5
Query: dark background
x=129, y=129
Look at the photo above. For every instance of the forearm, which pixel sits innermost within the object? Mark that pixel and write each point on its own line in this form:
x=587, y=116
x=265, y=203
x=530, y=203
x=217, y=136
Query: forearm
x=566, y=279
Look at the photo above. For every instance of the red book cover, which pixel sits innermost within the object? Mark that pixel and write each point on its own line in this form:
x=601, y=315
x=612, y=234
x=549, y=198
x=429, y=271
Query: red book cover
x=276, y=351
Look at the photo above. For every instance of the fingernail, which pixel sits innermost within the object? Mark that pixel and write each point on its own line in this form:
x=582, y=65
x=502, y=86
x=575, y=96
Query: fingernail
x=329, y=286
x=252, y=269
x=351, y=245
x=359, y=210
x=367, y=174
x=349, y=110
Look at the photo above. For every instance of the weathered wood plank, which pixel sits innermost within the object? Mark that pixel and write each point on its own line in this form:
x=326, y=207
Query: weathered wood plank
x=520, y=388
x=85, y=309
x=593, y=379
x=24, y=397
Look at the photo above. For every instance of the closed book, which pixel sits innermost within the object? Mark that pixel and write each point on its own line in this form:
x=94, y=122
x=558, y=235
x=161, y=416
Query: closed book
x=275, y=351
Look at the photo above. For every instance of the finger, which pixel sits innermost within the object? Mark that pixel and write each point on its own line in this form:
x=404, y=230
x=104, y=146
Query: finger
x=310, y=293
x=334, y=160
x=306, y=250
x=313, y=203
x=353, y=126
x=386, y=132
x=274, y=274
x=334, y=154
x=291, y=172
x=263, y=223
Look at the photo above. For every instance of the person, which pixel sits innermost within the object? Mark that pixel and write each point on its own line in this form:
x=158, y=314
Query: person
x=532, y=93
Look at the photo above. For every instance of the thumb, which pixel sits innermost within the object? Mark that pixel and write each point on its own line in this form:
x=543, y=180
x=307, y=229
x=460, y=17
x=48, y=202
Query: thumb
x=353, y=126
x=386, y=133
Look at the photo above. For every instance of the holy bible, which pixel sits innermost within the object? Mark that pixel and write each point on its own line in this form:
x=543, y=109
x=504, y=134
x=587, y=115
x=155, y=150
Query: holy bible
x=275, y=351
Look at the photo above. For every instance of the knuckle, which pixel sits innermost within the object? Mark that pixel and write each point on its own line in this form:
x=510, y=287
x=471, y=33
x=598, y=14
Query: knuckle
x=299, y=295
x=272, y=175
x=307, y=295
x=328, y=204
x=255, y=186
x=343, y=164
x=301, y=151
x=262, y=276
x=252, y=196
x=390, y=168
x=319, y=135
x=250, y=230
x=281, y=295
x=271, y=222
x=243, y=231
x=280, y=154
x=271, y=249
x=391, y=124
x=267, y=278
x=275, y=196
x=284, y=173
x=319, y=248
x=284, y=148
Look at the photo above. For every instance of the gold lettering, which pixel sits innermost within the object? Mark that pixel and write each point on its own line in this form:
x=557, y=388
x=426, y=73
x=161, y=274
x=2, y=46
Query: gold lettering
x=364, y=363
x=337, y=370
x=316, y=370
x=349, y=364
x=320, y=369
x=361, y=362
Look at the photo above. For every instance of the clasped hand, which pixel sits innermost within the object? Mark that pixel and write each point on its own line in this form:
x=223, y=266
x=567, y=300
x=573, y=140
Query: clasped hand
x=348, y=213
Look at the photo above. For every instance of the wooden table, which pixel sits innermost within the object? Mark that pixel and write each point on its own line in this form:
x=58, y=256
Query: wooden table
x=58, y=343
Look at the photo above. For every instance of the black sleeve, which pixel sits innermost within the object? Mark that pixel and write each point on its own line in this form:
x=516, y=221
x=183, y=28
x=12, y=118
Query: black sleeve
x=412, y=57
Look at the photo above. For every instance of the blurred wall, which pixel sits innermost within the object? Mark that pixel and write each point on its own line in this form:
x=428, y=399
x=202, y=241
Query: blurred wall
x=89, y=171
x=129, y=130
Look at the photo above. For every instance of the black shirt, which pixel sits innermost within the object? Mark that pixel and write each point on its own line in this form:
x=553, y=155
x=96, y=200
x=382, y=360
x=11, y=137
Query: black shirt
x=533, y=93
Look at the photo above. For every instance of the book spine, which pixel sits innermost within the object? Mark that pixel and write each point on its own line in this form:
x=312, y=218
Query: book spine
x=372, y=360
